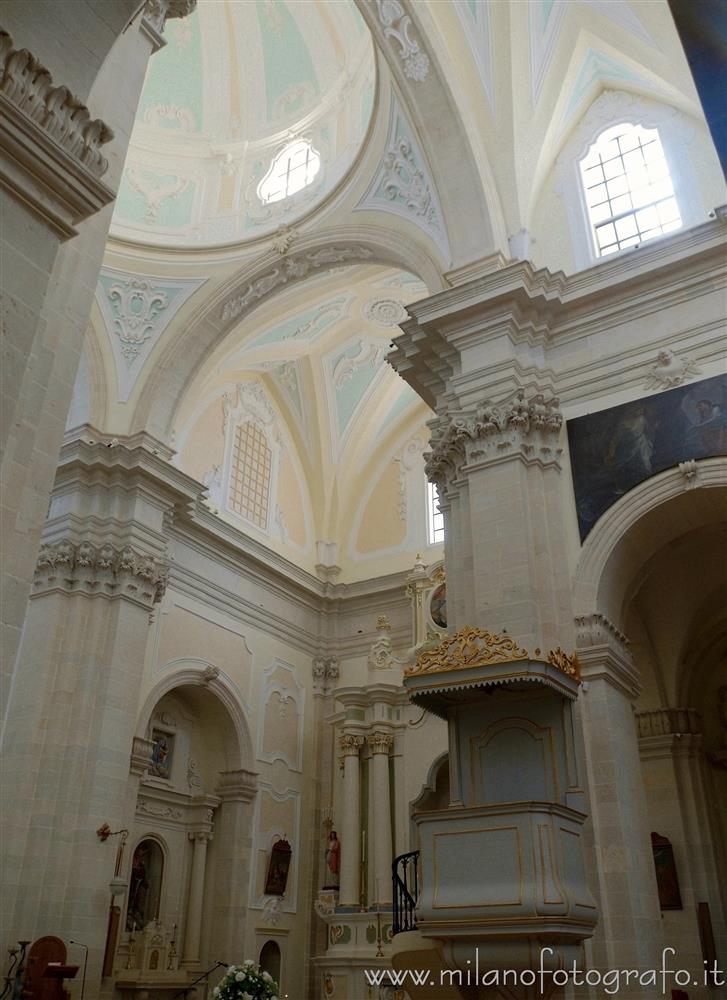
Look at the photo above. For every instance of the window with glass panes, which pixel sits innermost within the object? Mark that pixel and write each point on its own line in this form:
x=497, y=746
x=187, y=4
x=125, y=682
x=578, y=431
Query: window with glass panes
x=435, y=519
x=628, y=188
x=249, y=493
x=292, y=169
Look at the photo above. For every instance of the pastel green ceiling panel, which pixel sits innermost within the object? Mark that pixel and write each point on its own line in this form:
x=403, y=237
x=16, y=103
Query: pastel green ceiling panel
x=286, y=59
x=174, y=80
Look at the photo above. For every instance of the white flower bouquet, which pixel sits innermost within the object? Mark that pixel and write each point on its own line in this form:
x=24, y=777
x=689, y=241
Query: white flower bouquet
x=246, y=982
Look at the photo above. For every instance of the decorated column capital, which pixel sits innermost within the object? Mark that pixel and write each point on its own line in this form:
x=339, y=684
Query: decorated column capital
x=350, y=744
x=50, y=147
x=325, y=675
x=200, y=836
x=603, y=654
x=526, y=425
x=237, y=786
x=156, y=13
x=87, y=568
x=380, y=742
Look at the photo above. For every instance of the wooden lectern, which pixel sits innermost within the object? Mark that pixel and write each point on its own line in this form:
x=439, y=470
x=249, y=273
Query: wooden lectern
x=47, y=970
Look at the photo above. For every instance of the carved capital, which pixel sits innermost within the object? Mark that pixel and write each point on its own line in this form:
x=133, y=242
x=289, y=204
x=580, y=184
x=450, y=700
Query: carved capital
x=200, y=836
x=380, y=742
x=603, y=654
x=50, y=147
x=237, y=786
x=526, y=426
x=325, y=675
x=158, y=12
x=84, y=568
x=350, y=744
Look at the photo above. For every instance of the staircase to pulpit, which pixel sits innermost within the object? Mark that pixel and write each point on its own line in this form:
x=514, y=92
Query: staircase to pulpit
x=500, y=891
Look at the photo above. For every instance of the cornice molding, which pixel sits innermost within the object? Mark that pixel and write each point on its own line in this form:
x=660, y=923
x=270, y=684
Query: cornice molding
x=537, y=308
x=50, y=147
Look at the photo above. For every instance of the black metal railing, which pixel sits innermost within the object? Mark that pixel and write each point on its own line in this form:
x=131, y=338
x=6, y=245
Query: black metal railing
x=405, y=877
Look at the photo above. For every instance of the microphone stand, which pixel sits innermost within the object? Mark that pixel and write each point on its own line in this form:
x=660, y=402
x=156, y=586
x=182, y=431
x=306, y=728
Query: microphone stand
x=85, y=963
x=185, y=990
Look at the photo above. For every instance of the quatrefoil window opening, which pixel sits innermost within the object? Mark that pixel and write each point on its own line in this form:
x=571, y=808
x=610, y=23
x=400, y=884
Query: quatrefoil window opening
x=292, y=169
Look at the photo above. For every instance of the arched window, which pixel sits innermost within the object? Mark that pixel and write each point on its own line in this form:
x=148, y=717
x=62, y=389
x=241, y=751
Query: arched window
x=435, y=519
x=292, y=169
x=145, y=884
x=628, y=188
x=250, y=474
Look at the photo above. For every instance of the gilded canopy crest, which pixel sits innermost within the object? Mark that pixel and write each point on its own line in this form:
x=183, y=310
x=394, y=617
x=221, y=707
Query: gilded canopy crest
x=469, y=647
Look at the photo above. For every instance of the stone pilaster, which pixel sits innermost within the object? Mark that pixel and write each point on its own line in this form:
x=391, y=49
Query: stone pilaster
x=496, y=467
x=75, y=698
x=629, y=932
x=232, y=858
x=350, y=891
x=380, y=744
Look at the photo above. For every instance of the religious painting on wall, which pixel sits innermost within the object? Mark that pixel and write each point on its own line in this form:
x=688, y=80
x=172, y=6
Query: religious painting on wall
x=278, y=867
x=145, y=885
x=616, y=449
x=438, y=605
x=333, y=861
x=667, y=880
x=161, y=754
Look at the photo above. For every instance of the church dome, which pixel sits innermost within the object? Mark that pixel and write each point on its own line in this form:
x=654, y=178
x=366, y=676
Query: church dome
x=250, y=115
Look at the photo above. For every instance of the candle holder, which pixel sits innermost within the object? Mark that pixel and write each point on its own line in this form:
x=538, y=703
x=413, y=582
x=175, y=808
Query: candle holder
x=379, y=949
x=171, y=963
x=132, y=949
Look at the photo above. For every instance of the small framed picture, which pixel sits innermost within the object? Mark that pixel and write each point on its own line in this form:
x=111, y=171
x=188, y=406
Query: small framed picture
x=161, y=754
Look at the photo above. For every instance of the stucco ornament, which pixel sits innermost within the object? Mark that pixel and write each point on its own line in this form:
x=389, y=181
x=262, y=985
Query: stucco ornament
x=385, y=312
x=136, y=306
x=397, y=25
x=670, y=370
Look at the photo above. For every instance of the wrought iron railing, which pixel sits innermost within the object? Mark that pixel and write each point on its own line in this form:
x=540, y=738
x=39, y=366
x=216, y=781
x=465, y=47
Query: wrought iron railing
x=405, y=876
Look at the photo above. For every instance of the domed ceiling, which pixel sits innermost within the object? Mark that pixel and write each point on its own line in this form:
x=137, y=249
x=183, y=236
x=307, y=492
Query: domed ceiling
x=238, y=82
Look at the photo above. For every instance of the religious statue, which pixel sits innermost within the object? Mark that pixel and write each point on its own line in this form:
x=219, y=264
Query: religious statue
x=138, y=886
x=333, y=861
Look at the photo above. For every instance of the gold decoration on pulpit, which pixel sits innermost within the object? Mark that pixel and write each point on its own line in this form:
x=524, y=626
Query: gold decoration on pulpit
x=569, y=665
x=467, y=648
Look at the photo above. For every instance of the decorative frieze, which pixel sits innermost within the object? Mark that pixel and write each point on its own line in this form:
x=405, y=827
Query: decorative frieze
x=325, y=675
x=82, y=567
x=603, y=654
x=528, y=427
x=289, y=270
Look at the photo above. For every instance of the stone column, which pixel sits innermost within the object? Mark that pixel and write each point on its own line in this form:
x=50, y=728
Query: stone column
x=380, y=744
x=193, y=924
x=350, y=892
x=629, y=931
